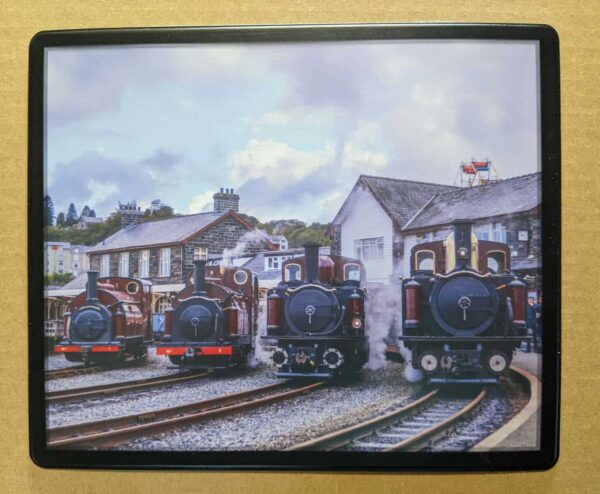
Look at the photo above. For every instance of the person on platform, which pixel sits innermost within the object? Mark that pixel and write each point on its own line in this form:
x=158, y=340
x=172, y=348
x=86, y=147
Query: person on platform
x=539, y=324
x=532, y=323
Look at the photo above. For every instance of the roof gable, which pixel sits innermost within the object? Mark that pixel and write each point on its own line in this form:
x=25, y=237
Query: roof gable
x=509, y=196
x=163, y=232
x=400, y=199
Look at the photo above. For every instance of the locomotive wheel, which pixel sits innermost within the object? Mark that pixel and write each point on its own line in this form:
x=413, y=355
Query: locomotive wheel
x=496, y=362
x=429, y=362
x=176, y=359
x=73, y=357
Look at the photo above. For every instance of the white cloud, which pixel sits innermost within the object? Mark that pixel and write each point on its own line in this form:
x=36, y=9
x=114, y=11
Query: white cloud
x=100, y=191
x=277, y=162
x=201, y=203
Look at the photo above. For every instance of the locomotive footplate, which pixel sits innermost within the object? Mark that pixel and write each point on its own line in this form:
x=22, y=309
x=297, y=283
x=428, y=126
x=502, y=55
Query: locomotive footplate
x=469, y=339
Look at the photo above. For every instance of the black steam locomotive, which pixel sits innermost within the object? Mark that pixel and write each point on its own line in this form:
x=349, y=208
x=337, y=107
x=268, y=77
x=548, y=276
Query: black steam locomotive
x=317, y=316
x=212, y=322
x=463, y=311
x=108, y=322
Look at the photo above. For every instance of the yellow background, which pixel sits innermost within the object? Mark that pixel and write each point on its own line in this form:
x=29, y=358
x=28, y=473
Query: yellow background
x=577, y=24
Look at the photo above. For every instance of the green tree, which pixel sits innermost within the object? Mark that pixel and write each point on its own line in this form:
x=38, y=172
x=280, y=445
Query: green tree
x=163, y=213
x=48, y=211
x=85, y=211
x=60, y=220
x=92, y=213
x=71, y=215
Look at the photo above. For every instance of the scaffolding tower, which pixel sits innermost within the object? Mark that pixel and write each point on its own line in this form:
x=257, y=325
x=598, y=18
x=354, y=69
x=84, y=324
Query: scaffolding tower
x=476, y=172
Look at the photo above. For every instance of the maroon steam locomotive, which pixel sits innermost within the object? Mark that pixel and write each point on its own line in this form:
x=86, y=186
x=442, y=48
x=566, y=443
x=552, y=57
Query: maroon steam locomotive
x=463, y=310
x=212, y=322
x=108, y=322
x=317, y=316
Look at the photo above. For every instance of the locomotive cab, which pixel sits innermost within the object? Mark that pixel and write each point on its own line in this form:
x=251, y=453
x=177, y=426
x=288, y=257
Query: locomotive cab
x=316, y=314
x=463, y=310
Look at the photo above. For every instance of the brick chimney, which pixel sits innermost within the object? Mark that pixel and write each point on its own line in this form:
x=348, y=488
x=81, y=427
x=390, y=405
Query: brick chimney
x=226, y=200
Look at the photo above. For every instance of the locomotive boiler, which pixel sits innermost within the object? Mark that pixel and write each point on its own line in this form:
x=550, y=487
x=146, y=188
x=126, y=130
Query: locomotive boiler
x=463, y=310
x=212, y=322
x=316, y=315
x=110, y=321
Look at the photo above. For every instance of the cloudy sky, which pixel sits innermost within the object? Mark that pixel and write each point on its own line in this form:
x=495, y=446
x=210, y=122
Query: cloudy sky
x=289, y=126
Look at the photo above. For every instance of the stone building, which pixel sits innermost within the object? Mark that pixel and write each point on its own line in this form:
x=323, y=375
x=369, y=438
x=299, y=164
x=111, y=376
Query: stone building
x=382, y=219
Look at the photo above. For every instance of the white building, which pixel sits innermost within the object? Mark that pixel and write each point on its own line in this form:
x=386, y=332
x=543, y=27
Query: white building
x=383, y=218
x=369, y=224
x=280, y=241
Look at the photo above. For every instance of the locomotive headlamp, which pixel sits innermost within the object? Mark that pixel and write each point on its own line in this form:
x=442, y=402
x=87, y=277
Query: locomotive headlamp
x=463, y=252
x=357, y=323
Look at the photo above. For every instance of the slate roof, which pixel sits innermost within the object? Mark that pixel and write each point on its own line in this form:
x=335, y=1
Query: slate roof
x=513, y=195
x=163, y=232
x=402, y=199
x=78, y=282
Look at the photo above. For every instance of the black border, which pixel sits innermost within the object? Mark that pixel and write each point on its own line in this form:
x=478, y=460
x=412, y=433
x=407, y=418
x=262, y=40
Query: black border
x=298, y=460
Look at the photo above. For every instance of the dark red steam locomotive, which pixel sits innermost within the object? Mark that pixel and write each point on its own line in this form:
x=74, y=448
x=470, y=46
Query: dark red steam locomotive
x=212, y=322
x=317, y=316
x=463, y=311
x=108, y=322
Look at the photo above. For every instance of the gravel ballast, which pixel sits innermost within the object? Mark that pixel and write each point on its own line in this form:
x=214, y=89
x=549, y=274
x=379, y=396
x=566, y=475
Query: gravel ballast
x=290, y=422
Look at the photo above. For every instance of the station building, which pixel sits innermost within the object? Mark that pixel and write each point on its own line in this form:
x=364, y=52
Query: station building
x=383, y=218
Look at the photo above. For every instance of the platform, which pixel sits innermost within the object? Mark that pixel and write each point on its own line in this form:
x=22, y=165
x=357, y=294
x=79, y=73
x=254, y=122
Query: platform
x=521, y=433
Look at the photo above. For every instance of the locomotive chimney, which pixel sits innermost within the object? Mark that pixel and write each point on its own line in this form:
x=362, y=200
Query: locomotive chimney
x=462, y=243
x=199, y=275
x=92, y=286
x=311, y=262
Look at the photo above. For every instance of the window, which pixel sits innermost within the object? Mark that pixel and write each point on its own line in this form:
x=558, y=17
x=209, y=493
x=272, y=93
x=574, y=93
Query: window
x=369, y=249
x=124, y=264
x=424, y=260
x=105, y=265
x=144, y=264
x=164, y=266
x=162, y=304
x=482, y=232
x=200, y=253
x=500, y=232
x=292, y=272
x=496, y=262
x=352, y=272
x=424, y=237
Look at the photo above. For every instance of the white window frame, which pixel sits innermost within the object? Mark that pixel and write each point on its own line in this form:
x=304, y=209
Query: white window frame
x=164, y=262
x=144, y=264
x=370, y=249
x=499, y=232
x=200, y=253
x=484, y=232
x=105, y=266
x=124, y=264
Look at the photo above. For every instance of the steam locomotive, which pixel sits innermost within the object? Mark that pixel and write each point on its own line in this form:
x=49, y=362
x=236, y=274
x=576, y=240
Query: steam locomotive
x=317, y=316
x=212, y=322
x=463, y=311
x=108, y=322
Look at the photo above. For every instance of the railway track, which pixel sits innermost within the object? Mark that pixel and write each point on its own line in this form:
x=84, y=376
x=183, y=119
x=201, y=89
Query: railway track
x=76, y=370
x=102, y=390
x=79, y=370
x=115, y=431
x=410, y=428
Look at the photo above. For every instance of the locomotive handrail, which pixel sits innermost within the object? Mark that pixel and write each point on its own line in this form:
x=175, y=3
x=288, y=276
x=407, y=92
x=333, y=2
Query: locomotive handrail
x=313, y=285
x=456, y=273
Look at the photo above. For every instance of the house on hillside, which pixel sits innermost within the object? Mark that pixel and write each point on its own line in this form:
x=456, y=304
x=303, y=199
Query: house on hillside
x=383, y=218
x=86, y=221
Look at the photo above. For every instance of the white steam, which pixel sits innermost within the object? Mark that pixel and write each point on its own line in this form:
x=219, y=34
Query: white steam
x=261, y=354
x=254, y=239
x=383, y=307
